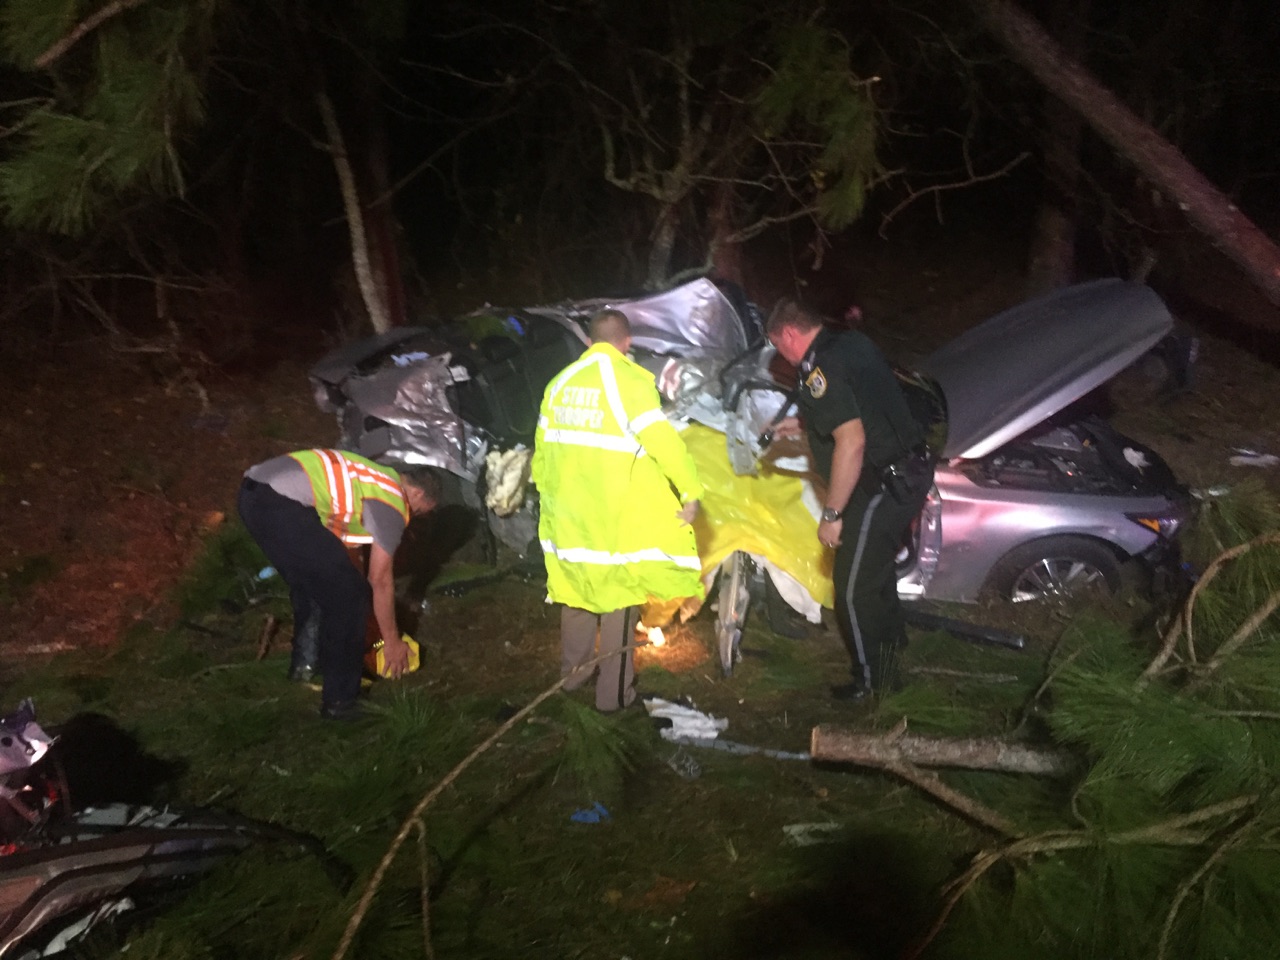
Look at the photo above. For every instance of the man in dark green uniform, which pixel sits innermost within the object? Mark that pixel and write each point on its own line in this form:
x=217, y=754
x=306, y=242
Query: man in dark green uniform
x=871, y=451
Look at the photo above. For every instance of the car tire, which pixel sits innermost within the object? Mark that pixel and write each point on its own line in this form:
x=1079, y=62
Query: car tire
x=1056, y=569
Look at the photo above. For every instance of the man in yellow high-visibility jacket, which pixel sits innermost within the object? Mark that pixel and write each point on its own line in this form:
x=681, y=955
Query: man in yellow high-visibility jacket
x=304, y=510
x=618, y=493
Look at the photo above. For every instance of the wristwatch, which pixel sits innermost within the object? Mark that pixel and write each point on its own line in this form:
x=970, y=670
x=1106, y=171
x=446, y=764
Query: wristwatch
x=830, y=515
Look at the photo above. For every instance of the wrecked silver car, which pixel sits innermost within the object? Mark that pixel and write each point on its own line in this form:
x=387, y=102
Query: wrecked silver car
x=65, y=868
x=1029, y=502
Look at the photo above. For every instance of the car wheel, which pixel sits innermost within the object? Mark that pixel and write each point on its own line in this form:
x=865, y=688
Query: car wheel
x=1056, y=569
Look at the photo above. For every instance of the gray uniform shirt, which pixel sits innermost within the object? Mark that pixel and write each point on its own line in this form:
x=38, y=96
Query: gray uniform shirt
x=286, y=477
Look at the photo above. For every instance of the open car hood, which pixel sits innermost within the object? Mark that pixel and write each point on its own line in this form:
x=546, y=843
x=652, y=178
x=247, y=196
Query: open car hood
x=1008, y=374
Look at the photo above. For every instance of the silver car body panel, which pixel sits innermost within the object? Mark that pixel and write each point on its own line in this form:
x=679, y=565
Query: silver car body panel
x=979, y=525
x=1010, y=373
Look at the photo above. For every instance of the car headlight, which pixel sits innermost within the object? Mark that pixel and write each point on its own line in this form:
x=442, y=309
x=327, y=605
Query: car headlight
x=1162, y=525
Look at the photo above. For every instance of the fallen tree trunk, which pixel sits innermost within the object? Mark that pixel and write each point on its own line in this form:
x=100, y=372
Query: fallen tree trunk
x=1161, y=162
x=887, y=751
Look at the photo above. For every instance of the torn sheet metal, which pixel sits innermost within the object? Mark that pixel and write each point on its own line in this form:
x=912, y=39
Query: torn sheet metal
x=692, y=320
x=23, y=742
x=418, y=423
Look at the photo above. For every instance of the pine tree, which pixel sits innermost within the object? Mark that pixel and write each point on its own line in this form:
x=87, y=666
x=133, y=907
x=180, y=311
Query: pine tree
x=1165, y=846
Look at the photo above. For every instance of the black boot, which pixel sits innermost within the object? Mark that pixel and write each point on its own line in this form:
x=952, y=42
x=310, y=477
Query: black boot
x=343, y=710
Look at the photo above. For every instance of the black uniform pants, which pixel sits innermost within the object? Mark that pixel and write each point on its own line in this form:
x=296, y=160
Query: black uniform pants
x=315, y=565
x=866, y=582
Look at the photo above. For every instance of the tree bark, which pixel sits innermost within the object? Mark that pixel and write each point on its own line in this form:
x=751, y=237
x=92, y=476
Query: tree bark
x=1052, y=260
x=662, y=244
x=726, y=254
x=380, y=219
x=355, y=217
x=82, y=29
x=1162, y=163
x=886, y=751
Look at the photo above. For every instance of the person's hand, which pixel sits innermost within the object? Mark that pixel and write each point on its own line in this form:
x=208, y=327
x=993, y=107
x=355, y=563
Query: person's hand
x=688, y=511
x=395, y=654
x=829, y=532
x=788, y=428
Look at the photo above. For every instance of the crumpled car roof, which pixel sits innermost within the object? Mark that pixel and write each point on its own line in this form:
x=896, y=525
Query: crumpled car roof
x=442, y=394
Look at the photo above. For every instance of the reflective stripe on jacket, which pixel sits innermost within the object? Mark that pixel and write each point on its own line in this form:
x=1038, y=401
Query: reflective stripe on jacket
x=341, y=482
x=605, y=462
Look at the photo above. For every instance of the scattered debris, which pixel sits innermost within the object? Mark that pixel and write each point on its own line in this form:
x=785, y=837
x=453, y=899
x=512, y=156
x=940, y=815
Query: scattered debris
x=742, y=749
x=683, y=764
x=1244, y=457
x=65, y=868
x=269, y=627
x=56, y=646
x=964, y=674
x=596, y=813
x=811, y=834
x=666, y=892
x=686, y=722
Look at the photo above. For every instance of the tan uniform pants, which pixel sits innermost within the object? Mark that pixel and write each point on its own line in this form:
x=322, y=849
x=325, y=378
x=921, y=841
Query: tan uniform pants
x=615, y=677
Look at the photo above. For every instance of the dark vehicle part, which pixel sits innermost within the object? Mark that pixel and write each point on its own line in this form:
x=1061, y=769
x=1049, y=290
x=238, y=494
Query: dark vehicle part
x=103, y=856
x=731, y=608
x=62, y=869
x=1056, y=568
x=973, y=632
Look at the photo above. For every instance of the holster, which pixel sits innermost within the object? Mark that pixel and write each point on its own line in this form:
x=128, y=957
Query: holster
x=903, y=478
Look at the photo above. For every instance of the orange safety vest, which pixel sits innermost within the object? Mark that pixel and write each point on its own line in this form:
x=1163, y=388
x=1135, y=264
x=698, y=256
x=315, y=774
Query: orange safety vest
x=341, y=482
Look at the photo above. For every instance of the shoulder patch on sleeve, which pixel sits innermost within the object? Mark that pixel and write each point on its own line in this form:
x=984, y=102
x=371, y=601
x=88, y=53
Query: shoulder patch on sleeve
x=817, y=383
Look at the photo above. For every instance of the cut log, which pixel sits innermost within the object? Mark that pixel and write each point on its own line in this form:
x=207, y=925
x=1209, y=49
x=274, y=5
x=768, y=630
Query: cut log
x=888, y=751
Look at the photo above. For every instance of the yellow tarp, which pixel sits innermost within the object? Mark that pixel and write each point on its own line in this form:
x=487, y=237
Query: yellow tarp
x=762, y=515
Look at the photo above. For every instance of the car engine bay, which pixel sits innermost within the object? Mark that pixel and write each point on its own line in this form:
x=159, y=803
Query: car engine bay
x=1086, y=456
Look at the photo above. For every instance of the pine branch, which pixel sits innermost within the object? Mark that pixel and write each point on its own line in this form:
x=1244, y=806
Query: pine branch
x=425, y=889
x=973, y=177
x=1189, y=884
x=415, y=815
x=1185, y=617
x=77, y=33
x=1237, y=639
x=894, y=753
x=1049, y=678
x=931, y=784
x=1170, y=832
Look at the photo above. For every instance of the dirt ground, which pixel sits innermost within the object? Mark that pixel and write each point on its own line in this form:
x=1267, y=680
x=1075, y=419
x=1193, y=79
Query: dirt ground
x=109, y=477
x=111, y=472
